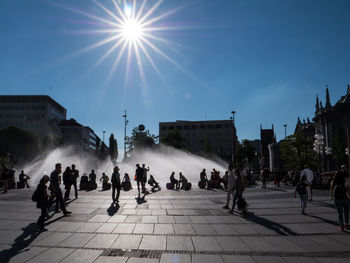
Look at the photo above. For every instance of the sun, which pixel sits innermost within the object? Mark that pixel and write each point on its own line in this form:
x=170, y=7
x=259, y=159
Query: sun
x=132, y=30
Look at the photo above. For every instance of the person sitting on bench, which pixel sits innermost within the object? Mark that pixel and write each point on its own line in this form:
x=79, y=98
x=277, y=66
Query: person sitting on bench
x=183, y=181
x=105, y=184
x=174, y=181
x=23, y=179
x=152, y=182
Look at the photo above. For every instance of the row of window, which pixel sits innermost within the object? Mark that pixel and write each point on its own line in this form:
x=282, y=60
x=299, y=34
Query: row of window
x=22, y=107
x=26, y=125
x=194, y=127
x=29, y=117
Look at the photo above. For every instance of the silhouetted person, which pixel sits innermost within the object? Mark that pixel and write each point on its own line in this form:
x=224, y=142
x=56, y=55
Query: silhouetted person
x=23, y=179
x=203, y=179
x=126, y=183
x=92, y=176
x=144, y=177
x=278, y=177
x=105, y=185
x=84, y=182
x=238, y=186
x=75, y=175
x=42, y=201
x=152, y=182
x=174, y=181
x=55, y=187
x=183, y=180
x=5, y=176
x=115, y=179
x=139, y=177
x=264, y=176
x=67, y=181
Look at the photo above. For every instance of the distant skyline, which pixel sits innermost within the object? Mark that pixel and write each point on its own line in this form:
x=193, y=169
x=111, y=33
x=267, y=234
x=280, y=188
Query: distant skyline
x=264, y=59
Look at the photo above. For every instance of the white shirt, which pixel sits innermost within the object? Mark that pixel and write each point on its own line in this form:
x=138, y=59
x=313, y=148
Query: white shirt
x=231, y=179
x=308, y=174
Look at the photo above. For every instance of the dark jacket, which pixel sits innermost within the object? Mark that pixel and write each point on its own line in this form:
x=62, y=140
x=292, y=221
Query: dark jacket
x=113, y=178
x=42, y=197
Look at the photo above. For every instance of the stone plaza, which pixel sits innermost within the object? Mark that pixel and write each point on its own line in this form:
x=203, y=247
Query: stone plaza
x=174, y=226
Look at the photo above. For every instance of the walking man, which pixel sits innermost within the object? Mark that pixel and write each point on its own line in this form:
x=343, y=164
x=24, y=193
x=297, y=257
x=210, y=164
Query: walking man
x=55, y=186
x=139, y=177
x=75, y=175
x=230, y=185
x=309, y=178
x=115, y=179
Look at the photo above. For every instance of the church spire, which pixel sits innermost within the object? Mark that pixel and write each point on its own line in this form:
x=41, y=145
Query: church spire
x=328, y=100
x=317, y=103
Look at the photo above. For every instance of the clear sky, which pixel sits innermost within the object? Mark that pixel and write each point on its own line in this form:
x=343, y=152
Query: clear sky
x=265, y=59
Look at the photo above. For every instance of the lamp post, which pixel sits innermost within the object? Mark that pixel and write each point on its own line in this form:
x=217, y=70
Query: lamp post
x=125, y=123
x=233, y=157
x=285, y=130
x=318, y=147
x=103, y=145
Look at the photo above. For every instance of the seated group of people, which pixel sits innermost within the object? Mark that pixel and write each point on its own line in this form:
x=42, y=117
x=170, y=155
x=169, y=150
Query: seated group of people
x=88, y=183
x=175, y=184
x=215, y=180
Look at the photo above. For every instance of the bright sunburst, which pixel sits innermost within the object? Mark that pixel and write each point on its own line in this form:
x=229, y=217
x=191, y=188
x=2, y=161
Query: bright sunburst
x=132, y=27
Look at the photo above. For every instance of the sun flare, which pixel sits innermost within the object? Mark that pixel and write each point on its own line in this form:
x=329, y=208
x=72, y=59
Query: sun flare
x=132, y=30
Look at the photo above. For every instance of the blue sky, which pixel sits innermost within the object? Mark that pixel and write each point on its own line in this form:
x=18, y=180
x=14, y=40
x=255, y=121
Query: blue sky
x=265, y=59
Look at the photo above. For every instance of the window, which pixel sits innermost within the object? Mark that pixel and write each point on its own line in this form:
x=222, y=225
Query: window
x=186, y=127
x=194, y=127
x=210, y=126
x=163, y=128
x=225, y=126
x=218, y=126
x=171, y=127
x=202, y=126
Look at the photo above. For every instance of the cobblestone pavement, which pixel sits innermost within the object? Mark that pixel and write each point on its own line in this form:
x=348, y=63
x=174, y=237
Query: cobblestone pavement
x=171, y=226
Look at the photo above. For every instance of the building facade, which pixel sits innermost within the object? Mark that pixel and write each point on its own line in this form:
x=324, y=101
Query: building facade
x=37, y=114
x=267, y=136
x=215, y=137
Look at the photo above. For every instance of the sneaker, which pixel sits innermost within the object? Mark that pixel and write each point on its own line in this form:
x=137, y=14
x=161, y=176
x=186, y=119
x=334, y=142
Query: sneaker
x=225, y=207
x=57, y=211
x=341, y=228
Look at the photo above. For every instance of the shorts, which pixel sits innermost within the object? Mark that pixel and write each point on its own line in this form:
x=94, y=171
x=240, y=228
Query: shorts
x=303, y=200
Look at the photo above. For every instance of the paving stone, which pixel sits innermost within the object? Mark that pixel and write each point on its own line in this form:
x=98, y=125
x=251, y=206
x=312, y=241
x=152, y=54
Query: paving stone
x=199, y=220
x=183, y=229
x=142, y=260
x=299, y=259
x=164, y=229
x=232, y=244
x=25, y=254
x=127, y=242
x=182, y=220
x=166, y=219
x=149, y=219
x=107, y=228
x=77, y=240
x=206, y=244
x=82, y=256
x=258, y=244
x=268, y=259
x=204, y=229
x=306, y=243
x=124, y=228
x=238, y=259
x=101, y=241
x=175, y=258
x=7, y=237
x=179, y=243
x=100, y=218
x=143, y=229
x=284, y=245
x=133, y=219
x=330, y=243
x=117, y=219
x=206, y=259
x=129, y=212
x=53, y=240
x=54, y=254
x=153, y=242
x=223, y=229
x=158, y=212
x=144, y=212
x=89, y=227
x=71, y=227
x=104, y=259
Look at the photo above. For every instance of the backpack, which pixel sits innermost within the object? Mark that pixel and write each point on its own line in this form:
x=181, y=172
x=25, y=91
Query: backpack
x=340, y=191
x=301, y=189
x=35, y=196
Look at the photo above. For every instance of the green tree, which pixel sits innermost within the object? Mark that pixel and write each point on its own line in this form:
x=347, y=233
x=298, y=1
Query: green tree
x=175, y=139
x=140, y=139
x=113, y=149
x=296, y=151
x=246, y=152
x=19, y=144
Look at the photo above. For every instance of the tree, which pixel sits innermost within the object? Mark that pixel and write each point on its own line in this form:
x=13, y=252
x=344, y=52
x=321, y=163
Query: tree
x=18, y=144
x=246, y=152
x=175, y=139
x=140, y=139
x=296, y=151
x=113, y=149
x=50, y=142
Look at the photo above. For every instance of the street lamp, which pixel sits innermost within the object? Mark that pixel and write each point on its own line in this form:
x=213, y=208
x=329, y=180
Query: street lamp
x=233, y=157
x=125, y=123
x=285, y=130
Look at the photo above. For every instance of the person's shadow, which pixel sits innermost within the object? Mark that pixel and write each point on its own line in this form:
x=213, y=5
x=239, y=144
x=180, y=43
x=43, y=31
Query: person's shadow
x=113, y=209
x=21, y=242
x=278, y=228
x=141, y=200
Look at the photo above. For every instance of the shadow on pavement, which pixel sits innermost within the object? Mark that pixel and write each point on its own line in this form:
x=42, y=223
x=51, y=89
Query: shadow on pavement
x=278, y=228
x=113, y=209
x=21, y=242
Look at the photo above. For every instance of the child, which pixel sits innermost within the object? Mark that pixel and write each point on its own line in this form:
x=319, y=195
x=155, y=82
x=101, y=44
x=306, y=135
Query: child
x=301, y=188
